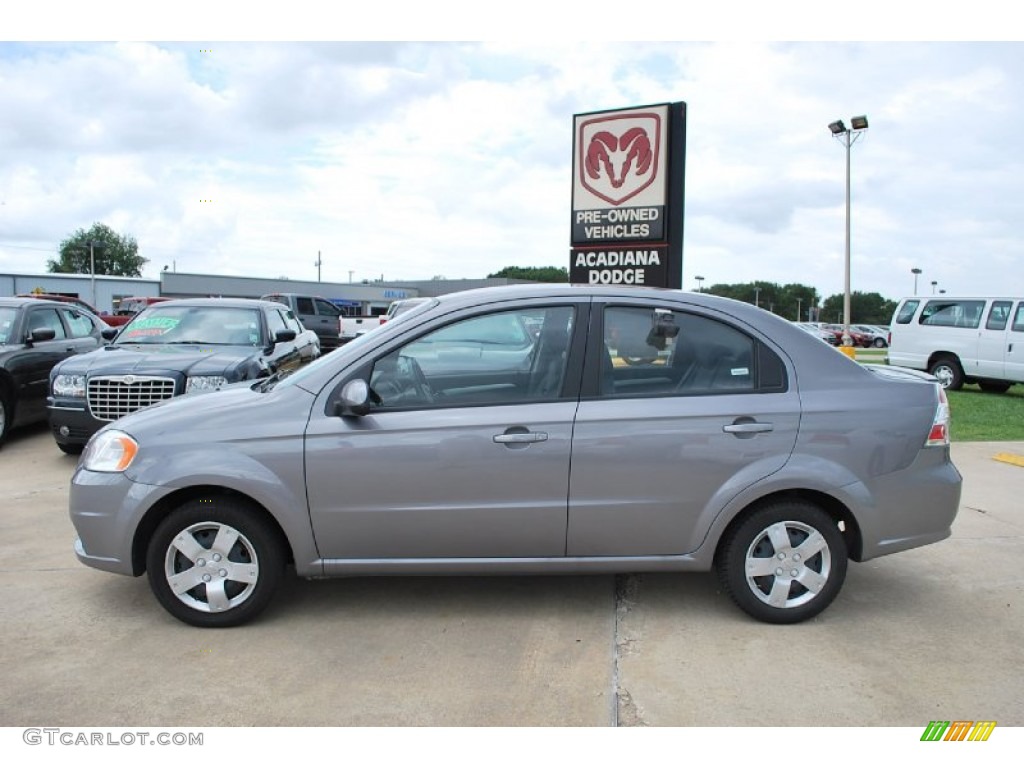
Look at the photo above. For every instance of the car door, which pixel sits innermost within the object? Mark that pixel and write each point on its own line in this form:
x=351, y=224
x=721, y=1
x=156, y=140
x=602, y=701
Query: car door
x=478, y=469
x=38, y=357
x=1015, y=346
x=285, y=355
x=670, y=427
x=992, y=340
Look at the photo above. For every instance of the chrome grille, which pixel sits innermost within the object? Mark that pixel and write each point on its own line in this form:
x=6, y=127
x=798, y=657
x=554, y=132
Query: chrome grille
x=111, y=397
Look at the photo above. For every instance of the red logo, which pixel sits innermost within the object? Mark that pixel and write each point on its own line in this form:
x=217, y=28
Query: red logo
x=619, y=155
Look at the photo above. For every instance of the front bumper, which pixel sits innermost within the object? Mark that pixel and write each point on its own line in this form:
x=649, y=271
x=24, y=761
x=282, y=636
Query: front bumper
x=72, y=424
x=106, y=509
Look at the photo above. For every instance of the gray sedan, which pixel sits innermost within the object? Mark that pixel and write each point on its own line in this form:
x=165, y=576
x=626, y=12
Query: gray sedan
x=730, y=440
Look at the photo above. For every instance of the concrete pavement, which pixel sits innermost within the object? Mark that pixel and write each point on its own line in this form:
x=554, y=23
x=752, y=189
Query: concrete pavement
x=934, y=633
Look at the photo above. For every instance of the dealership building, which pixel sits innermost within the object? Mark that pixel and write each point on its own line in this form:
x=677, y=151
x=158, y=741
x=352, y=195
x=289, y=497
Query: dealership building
x=103, y=291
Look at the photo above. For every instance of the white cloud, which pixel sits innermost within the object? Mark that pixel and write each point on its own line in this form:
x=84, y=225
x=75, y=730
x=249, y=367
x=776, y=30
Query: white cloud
x=414, y=159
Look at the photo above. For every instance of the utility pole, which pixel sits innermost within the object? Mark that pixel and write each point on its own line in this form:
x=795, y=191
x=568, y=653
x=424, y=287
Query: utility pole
x=319, y=261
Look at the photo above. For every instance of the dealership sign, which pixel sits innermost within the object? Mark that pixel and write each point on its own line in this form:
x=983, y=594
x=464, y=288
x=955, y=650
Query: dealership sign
x=621, y=178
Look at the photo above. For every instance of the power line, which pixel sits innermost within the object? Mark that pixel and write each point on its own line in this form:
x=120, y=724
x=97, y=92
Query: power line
x=28, y=248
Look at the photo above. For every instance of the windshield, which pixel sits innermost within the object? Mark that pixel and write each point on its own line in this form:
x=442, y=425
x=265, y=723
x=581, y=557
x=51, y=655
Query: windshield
x=7, y=315
x=237, y=326
x=328, y=359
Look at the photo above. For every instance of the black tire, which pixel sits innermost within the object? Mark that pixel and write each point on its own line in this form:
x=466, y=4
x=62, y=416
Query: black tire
x=997, y=387
x=255, y=558
x=803, y=572
x=949, y=373
x=879, y=343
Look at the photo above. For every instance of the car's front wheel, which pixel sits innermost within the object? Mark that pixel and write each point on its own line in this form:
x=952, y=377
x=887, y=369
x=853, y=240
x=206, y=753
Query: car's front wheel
x=214, y=562
x=784, y=563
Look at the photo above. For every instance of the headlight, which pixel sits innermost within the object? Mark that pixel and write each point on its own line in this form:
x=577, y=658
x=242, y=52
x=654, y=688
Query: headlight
x=110, y=451
x=69, y=385
x=204, y=383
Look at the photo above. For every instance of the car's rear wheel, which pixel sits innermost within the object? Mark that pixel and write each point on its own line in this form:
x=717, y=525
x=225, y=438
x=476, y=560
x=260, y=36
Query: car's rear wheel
x=784, y=563
x=879, y=343
x=947, y=370
x=214, y=562
x=997, y=387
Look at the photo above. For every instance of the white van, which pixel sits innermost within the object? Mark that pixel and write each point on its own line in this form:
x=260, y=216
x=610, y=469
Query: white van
x=961, y=340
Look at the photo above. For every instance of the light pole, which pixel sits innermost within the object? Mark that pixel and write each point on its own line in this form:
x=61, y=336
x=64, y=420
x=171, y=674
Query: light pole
x=92, y=266
x=700, y=283
x=757, y=294
x=934, y=283
x=846, y=137
x=799, y=301
x=916, y=272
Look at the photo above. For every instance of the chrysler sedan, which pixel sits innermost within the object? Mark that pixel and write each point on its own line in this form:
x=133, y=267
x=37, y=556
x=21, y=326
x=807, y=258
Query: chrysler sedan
x=173, y=348
x=722, y=446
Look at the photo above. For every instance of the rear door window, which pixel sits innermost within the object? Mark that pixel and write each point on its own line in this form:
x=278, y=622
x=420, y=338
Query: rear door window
x=652, y=351
x=998, y=315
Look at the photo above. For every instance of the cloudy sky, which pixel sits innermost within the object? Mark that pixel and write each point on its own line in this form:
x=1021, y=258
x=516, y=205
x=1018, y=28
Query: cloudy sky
x=414, y=159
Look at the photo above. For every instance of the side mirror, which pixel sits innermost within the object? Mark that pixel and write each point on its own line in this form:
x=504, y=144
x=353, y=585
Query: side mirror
x=108, y=333
x=40, y=334
x=283, y=336
x=355, y=399
x=663, y=328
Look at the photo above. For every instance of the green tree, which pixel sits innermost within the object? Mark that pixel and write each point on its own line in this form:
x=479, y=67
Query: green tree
x=113, y=254
x=869, y=308
x=784, y=300
x=537, y=274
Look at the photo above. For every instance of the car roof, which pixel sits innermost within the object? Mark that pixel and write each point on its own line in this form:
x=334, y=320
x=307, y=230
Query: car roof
x=20, y=301
x=216, y=302
x=831, y=369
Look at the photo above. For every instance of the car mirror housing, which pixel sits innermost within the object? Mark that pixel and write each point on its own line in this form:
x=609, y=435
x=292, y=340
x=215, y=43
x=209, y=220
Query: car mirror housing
x=285, y=335
x=40, y=334
x=355, y=399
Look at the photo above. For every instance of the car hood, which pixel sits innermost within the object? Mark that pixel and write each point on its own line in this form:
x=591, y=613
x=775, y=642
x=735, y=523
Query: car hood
x=235, y=411
x=193, y=359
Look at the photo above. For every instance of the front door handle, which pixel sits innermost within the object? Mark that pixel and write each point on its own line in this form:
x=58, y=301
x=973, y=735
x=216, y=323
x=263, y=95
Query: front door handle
x=747, y=428
x=516, y=438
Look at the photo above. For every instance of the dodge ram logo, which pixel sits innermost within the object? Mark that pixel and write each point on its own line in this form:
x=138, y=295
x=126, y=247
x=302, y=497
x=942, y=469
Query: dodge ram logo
x=619, y=155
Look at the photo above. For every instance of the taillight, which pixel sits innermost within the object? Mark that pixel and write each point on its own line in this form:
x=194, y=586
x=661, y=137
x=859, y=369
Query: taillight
x=939, y=433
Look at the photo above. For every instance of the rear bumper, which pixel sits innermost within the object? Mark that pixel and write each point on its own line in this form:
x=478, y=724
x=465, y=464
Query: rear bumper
x=913, y=507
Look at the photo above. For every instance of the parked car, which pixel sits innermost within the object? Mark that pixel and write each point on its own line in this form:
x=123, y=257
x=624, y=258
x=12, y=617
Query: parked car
x=401, y=306
x=130, y=306
x=35, y=335
x=745, y=446
x=858, y=338
x=316, y=313
x=879, y=336
x=80, y=303
x=173, y=348
x=819, y=333
x=961, y=340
